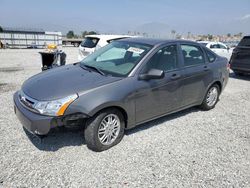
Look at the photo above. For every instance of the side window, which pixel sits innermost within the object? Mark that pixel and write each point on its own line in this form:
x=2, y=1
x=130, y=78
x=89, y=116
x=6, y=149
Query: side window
x=214, y=46
x=222, y=46
x=192, y=55
x=165, y=59
x=211, y=57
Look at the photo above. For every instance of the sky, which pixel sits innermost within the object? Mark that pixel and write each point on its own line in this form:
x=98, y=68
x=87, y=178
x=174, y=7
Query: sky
x=156, y=17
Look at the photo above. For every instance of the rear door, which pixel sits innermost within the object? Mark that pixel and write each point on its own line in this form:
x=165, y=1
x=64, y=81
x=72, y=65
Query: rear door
x=196, y=74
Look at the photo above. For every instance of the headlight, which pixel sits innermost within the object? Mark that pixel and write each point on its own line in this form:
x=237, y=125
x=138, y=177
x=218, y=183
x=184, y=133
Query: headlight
x=56, y=107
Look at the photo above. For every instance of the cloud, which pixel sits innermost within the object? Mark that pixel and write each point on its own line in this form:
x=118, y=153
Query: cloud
x=246, y=17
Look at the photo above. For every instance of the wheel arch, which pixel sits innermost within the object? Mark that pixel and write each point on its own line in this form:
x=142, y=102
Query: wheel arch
x=217, y=83
x=212, y=83
x=106, y=107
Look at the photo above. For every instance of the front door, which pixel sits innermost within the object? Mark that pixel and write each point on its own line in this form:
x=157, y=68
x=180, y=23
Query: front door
x=157, y=97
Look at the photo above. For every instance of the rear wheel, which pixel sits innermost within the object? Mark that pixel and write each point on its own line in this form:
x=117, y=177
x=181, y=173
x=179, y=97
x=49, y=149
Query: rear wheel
x=104, y=130
x=211, y=98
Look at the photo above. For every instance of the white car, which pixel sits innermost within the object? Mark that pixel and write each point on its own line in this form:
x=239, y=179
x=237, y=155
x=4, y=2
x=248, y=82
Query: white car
x=93, y=42
x=219, y=48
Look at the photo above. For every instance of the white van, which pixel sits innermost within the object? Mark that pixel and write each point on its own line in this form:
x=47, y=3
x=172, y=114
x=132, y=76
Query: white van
x=93, y=42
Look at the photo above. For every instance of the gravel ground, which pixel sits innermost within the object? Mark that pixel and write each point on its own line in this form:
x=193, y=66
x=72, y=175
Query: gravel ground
x=187, y=149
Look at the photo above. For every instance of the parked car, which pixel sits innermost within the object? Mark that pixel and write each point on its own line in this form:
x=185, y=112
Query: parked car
x=240, y=60
x=94, y=42
x=219, y=48
x=108, y=93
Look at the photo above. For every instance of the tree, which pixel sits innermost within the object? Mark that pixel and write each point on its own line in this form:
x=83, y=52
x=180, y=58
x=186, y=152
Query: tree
x=84, y=33
x=92, y=33
x=1, y=29
x=229, y=35
x=70, y=34
x=210, y=37
x=173, y=33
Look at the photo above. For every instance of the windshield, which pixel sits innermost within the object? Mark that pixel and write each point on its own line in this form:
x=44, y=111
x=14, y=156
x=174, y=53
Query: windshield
x=117, y=58
x=89, y=42
x=245, y=41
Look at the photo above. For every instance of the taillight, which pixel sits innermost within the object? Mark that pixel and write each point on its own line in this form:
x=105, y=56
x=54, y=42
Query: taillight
x=228, y=66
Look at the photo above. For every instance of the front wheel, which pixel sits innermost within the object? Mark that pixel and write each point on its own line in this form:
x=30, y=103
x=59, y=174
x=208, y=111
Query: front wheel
x=211, y=98
x=104, y=130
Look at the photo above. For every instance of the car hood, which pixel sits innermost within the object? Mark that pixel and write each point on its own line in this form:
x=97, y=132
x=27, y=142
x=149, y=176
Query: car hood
x=64, y=81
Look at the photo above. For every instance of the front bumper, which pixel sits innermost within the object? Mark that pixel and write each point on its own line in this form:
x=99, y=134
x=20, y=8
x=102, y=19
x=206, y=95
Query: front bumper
x=34, y=123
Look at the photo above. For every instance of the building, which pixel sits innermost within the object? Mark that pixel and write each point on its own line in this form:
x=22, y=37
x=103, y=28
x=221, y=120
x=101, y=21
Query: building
x=29, y=38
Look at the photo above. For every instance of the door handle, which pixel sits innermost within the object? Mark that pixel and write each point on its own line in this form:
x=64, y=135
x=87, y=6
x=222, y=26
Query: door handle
x=206, y=68
x=175, y=76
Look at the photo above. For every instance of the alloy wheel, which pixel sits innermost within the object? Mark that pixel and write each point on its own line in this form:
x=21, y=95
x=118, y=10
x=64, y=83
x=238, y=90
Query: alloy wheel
x=212, y=96
x=109, y=129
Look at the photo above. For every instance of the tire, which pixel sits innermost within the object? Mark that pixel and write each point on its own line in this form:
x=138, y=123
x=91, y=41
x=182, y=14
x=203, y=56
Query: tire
x=95, y=132
x=76, y=44
x=210, y=104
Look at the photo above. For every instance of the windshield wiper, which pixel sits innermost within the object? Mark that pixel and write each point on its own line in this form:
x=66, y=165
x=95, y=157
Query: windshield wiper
x=96, y=69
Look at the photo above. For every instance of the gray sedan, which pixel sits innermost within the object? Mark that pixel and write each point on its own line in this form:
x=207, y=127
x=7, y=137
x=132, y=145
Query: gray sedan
x=126, y=83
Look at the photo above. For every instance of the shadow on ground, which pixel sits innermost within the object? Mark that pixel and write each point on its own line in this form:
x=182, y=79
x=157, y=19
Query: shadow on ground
x=58, y=138
x=161, y=120
x=62, y=137
x=243, y=77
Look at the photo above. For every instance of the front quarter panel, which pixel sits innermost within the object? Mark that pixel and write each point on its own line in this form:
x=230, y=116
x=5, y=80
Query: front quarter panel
x=116, y=94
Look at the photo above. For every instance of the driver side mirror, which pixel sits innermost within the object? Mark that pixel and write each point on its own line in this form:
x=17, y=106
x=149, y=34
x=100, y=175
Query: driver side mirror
x=152, y=74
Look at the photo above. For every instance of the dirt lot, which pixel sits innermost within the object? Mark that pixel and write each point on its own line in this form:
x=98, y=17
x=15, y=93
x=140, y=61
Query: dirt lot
x=187, y=149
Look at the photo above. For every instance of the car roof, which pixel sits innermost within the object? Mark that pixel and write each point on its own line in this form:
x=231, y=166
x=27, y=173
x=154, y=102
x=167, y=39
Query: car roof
x=108, y=37
x=203, y=41
x=155, y=42
x=210, y=42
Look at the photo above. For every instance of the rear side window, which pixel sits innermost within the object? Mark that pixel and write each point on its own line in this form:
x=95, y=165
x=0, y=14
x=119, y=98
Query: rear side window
x=90, y=42
x=211, y=57
x=245, y=41
x=192, y=55
x=222, y=46
x=212, y=46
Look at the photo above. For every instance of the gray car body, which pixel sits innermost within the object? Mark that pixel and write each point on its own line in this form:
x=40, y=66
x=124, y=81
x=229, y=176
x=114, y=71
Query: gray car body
x=139, y=100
